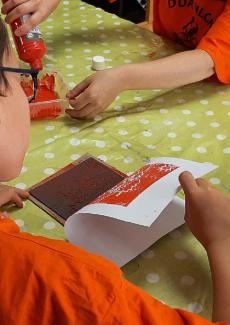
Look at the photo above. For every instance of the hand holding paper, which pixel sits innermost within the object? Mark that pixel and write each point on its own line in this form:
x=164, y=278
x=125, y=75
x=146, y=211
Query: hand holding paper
x=112, y=225
x=141, y=197
x=207, y=212
x=111, y=214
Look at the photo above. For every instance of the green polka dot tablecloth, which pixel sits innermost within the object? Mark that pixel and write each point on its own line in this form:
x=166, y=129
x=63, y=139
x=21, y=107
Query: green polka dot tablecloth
x=190, y=122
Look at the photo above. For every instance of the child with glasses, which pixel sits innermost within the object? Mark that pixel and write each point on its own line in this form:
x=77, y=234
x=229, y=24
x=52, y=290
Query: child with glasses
x=46, y=281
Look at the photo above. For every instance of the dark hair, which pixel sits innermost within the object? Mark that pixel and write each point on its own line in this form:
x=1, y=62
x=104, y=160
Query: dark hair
x=4, y=48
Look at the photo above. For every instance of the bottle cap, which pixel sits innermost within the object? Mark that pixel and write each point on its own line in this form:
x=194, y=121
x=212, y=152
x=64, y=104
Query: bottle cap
x=98, y=63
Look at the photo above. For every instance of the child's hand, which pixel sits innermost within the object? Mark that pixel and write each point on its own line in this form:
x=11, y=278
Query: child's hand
x=207, y=211
x=40, y=10
x=95, y=93
x=10, y=194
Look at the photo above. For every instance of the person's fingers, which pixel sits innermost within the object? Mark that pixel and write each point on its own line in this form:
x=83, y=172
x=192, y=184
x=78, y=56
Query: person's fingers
x=78, y=89
x=187, y=182
x=9, y=195
x=80, y=114
x=71, y=112
x=19, y=11
x=16, y=199
x=13, y=195
x=203, y=183
x=11, y=4
x=34, y=20
x=81, y=101
x=87, y=110
x=23, y=194
x=18, y=8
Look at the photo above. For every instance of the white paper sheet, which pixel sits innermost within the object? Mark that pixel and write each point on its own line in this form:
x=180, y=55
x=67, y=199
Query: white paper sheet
x=121, y=241
x=120, y=233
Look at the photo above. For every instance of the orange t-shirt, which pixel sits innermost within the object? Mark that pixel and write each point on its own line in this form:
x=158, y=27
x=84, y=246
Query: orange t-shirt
x=203, y=24
x=45, y=282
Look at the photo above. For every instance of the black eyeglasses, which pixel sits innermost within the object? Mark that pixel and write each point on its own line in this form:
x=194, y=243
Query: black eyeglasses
x=31, y=72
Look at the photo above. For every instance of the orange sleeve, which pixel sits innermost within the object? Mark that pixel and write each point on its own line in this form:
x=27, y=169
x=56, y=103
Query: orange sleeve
x=47, y=281
x=217, y=43
x=8, y=225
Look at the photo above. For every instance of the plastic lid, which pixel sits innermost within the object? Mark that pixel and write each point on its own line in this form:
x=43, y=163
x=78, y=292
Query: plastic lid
x=37, y=65
x=98, y=63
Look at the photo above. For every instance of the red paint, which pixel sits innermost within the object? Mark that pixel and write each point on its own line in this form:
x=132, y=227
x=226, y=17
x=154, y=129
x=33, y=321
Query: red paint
x=46, y=88
x=30, y=47
x=39, y=109
x=131, y=187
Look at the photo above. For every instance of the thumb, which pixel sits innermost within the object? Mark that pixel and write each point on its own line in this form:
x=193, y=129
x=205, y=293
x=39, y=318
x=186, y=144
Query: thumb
x=188, y=183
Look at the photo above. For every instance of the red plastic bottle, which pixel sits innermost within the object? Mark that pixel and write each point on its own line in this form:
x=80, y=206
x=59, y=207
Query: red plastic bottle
x=30, y=47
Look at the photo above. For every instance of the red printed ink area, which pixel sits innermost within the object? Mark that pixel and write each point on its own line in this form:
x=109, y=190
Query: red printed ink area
x=129, y=189
x=41, y=108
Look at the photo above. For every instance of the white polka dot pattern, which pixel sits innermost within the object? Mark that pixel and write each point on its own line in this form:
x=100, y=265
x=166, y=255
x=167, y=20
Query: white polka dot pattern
x=190, y=122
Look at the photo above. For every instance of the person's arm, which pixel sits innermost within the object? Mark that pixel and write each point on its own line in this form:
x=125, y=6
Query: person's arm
x=169, y=72
x=207, y=214
x=97, y=92
x=39, y=10
x=219, y=260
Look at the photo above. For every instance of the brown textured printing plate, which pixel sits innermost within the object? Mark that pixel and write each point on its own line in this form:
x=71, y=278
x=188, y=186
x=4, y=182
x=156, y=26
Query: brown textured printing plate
x=74, y=186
